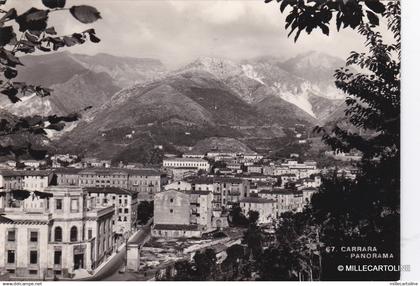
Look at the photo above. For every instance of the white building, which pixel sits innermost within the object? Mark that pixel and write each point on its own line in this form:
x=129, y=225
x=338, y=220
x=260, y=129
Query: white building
x=265, y=208
x=196, y=163
x=53, y=233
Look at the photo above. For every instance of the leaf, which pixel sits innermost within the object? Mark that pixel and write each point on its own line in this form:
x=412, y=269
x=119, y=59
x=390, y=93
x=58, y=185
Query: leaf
x=94, y=39
x=373, y=19
x=10, y=73
x=70, y=41
x=31, y=38
x=85, y=14
x=33, y=19
x=11, y=93
x=54, y=3
x=11, y=14
x=51, y=31
x=324, y=29
x=375, y=5
x=6, y=35
x=11, y=59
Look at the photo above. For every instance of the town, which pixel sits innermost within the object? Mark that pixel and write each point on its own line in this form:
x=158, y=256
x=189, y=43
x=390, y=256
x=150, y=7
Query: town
x=83, y=218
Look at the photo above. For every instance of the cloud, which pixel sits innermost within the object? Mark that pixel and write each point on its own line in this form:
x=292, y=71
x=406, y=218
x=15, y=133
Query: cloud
x=178, y=31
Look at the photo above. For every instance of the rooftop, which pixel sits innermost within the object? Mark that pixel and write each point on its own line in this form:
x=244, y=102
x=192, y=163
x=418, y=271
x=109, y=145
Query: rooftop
x=278, y=192
x=124, y=171
x=185, y=159
x=109, y=190
x=256, y=200
x=10, y=173
x=175, y=227
x=199, y=192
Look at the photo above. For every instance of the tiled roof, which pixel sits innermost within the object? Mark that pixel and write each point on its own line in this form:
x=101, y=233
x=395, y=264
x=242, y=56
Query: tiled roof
x=6, y=172
x=309, y=189
x=256, y=200
x=278, y=192
x=109, y=190
x=175, y=227
x=68, y=171
x=4, y=219
x=185, y=159
x=199, y=192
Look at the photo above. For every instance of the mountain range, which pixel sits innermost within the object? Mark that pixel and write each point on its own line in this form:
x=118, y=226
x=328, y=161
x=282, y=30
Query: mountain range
x=138, y=103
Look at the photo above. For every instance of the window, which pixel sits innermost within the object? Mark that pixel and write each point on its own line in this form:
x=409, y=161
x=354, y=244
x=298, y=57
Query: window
x=73, y=233
x=126, y=210
x=33, y=236
x=171, y=200
x=74, y=207
x=33, y=257
x=171, y=210
x=89, y=233
x=58, y=234
x=10, y=256
x=11, y=235
x=58, y=204
x=33, y=272
x=125, y=218
x=57, y=257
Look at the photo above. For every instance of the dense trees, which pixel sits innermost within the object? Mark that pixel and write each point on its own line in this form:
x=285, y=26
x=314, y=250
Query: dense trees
x=28, y=33
x=144, y=211
x=308, y=15
x=364, y=212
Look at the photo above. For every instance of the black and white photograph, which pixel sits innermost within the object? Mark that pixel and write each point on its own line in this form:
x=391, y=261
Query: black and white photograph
x=212, y=140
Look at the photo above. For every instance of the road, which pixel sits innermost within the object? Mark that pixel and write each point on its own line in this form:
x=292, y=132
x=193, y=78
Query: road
x=110, y=269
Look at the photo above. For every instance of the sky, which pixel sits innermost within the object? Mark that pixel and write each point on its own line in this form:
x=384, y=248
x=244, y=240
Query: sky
x=178, y=31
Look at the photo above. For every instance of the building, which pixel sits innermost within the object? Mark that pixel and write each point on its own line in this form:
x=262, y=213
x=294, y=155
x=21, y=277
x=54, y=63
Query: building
x=182, y=173
x=146, y=182
x=67, y=176
x=32, y=180
x=33, y=164
x=264, y=207
x=179, y=186
x=172, y=215
x=124, y=203
x=96, y=163
x=226, y=190
x=11, y=180
x=255, y=169
x=307, y=194
x=286, y=200
x=182, y=213
x=197, y=163
x=54, y=233
x=201, y=205
x=192, y=154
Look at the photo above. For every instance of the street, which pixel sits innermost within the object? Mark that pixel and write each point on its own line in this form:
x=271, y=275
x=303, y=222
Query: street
x=110, y=270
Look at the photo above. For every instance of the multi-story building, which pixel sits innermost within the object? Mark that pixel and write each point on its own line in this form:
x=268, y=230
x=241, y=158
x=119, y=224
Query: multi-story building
x=124, y=203
x=146, y=182
x=182, y=213
x=197, y=163
x=179, y=185
x=264, y=207
x=54, y=233
x=226, y=190
x=31, y=180
x=11, y=180
x=67, y=176
x=286, y=200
